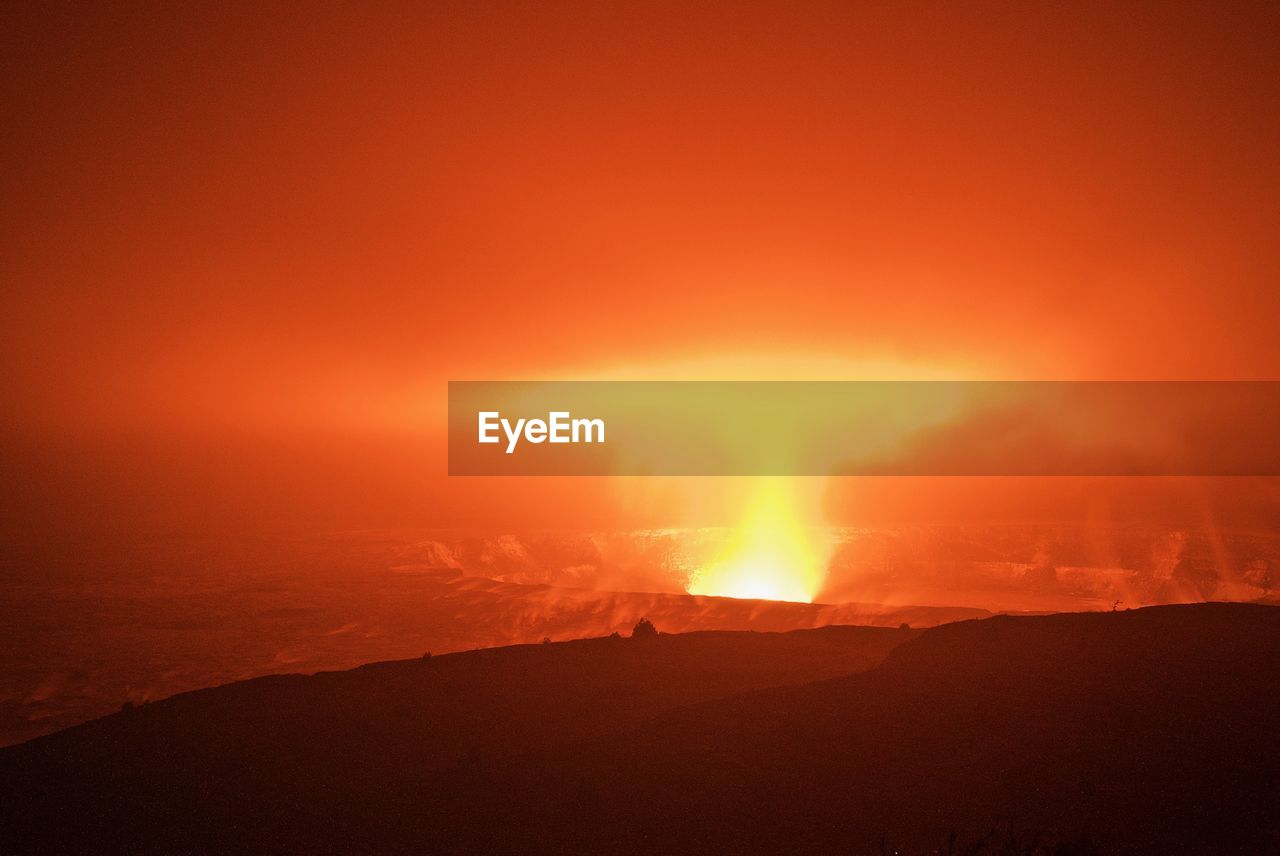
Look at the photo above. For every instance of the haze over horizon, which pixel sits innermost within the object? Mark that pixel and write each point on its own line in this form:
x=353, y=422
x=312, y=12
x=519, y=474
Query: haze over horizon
x=246, y=248
x=251, y=599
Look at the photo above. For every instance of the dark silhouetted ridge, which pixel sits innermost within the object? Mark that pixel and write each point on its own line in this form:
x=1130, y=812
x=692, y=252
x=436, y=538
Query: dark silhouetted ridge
x=1150, y=730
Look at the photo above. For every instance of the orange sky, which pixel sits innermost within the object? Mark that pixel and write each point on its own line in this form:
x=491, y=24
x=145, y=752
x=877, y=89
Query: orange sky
x=244, y=249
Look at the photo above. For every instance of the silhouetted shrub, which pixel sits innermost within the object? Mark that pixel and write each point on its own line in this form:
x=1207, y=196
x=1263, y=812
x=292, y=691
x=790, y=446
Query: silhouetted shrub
x=644, y=629
x=546, y=640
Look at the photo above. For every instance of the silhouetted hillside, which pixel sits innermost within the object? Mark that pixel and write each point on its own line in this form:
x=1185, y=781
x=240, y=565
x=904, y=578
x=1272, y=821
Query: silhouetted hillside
x=1144, y=731
x=1147, y=731
x=177, y=615
x=292, y=757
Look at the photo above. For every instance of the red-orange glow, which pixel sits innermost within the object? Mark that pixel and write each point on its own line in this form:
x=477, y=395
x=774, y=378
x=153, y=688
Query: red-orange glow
x=250, y=253
x=245, y=253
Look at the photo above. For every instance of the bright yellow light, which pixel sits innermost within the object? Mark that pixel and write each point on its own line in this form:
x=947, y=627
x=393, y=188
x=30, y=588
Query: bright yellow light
x=771, y=555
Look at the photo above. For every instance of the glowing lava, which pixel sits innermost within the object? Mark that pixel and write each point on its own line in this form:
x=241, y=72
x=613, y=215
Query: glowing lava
x=771, y=555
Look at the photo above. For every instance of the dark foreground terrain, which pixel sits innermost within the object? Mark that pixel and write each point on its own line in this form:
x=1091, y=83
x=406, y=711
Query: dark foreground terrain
x=1150, y=731
x=92, y=623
